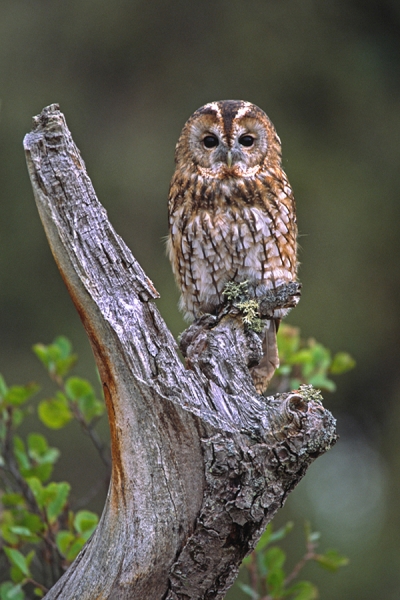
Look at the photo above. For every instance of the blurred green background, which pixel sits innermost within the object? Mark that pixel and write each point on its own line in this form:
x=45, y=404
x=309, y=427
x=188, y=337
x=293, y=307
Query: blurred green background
x=127, y=74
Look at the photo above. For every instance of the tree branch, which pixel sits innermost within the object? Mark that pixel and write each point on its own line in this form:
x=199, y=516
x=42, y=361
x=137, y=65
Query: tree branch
x=201, y=463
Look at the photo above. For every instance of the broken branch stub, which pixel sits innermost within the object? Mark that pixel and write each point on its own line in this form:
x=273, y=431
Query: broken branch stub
x=201, y=463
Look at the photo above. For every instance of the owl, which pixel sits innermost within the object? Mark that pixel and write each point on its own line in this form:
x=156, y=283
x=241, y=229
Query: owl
x=231, y=215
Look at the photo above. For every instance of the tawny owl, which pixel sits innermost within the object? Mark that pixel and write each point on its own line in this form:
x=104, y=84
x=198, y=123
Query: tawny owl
x=231, y=214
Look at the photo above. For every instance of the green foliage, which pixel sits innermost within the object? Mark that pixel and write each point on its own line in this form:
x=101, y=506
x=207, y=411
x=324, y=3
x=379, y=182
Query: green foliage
x=40, y=534
x=37, y=460
x=81, y=526
x=331, y=560
x=265, y=567
x=302, y=361
x=56, y=357
x=307, y=362
x=55, y=412
x=80, y=391
x=10, y=591
x=51, y=499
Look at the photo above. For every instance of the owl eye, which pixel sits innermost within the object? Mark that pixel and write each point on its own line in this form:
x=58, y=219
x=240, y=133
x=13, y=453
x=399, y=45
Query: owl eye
x=246, y=140
x=210, y=141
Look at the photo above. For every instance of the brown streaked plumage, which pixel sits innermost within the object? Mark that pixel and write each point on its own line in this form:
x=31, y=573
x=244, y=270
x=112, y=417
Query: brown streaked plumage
x=231, y=214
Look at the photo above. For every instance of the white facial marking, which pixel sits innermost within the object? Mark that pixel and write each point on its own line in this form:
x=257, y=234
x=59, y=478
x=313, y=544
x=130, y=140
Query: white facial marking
x=214, y=106
x=243, y=110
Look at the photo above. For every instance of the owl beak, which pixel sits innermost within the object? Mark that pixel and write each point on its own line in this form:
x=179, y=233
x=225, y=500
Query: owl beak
x=229, y=158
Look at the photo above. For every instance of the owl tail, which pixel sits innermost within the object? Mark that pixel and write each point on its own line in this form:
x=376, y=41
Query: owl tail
x=264, y=371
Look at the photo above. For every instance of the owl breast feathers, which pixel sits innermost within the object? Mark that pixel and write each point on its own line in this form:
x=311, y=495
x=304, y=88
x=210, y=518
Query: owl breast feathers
x=231, y=214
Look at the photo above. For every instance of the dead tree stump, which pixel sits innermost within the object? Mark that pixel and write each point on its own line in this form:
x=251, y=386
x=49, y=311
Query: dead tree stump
x=201, y=463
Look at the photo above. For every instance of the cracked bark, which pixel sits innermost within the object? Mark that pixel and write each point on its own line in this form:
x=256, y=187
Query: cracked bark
x=201, y=463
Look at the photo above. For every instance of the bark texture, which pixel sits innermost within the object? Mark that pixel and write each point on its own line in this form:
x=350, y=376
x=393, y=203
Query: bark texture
x=201, y=463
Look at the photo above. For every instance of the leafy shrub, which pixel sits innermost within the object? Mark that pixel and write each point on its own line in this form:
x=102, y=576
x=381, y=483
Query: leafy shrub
x=40, y=534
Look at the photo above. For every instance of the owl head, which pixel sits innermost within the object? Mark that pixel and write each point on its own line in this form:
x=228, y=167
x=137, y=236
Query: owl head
x=228, y=138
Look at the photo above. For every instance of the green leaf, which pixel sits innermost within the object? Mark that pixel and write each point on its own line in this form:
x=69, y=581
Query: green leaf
x=85, y=522
x=56, y=357
x=52, y=497
x=19, y=523
x=18, y=394
x=275, y=582
x=57, y=494
x=76, y=388
x=273, y=561
x=331, y=560
x=39, y=450
x=42, y=353
x=12, y=499
x=311, y=536
x=282, y=532
x=70, y=544
x=64, y=540
x=17, y=575
x=31, y=522
x=249, y=591
x=38, y=461
x=288, y=341
x=17, y=417
x=38, y=592
x=18, y=560
x=20, y=453
x=37, y=490
x=342, y=362
x=9, y=591
x=55, y=412
x=3, y=387
x=42, y=472
x=321, y=381
x=302, y=357
x=64, y=365
x=310, y=358
x=321, y=356
x=64, y=346
x=7, y=522
x=75, y=548
x=262, y=569
x=80, y=391
x=274, y=558
x=303, y=590
x=37, y=444
x=90, y=407
x=18, y=530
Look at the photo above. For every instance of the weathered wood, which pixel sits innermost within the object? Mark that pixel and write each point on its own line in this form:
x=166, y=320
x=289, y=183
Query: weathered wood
x=201, y=463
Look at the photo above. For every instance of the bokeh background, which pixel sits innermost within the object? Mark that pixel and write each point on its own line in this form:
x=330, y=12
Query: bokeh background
x=127, y=74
